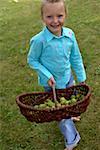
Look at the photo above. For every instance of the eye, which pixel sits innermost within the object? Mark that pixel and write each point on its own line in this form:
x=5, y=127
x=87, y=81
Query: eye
x=49, y=17
x=60, y=16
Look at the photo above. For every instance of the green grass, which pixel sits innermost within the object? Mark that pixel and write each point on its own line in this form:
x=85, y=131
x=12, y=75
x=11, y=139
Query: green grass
x=18, y=23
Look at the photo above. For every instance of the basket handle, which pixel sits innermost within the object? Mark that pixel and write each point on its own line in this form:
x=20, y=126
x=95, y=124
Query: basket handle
x=54, y=94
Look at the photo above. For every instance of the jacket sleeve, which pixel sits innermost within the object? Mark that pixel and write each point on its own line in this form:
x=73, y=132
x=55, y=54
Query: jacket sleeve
x=76, y=61
x=34, y=56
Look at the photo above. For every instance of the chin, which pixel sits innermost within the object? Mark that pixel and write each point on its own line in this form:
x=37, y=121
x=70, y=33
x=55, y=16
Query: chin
x=56, y=31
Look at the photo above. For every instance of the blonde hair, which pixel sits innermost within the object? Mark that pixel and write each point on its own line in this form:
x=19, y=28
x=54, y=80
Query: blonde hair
x=43, y=2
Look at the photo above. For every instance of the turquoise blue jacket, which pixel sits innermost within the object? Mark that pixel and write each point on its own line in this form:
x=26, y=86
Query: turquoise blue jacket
x=55, y=56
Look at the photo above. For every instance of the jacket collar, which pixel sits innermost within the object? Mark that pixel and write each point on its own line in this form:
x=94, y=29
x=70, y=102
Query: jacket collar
x=49, y=36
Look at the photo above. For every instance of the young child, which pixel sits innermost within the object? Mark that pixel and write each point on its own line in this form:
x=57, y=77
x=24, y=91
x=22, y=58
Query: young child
x=53, y=53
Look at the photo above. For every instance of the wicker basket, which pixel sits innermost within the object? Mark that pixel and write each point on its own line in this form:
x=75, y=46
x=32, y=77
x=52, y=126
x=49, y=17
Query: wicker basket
x=26, y=102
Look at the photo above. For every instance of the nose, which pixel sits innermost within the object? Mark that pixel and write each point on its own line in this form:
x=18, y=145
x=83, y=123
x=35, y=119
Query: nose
x=55, y=19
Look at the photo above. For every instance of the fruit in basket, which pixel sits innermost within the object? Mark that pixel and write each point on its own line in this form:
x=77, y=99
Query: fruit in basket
x=73, y=99
x=36, y=106
x=46, y=105
x=50, y=103
x=64, y=101
x=58, y=104
x=42, y=106
x=78, y=96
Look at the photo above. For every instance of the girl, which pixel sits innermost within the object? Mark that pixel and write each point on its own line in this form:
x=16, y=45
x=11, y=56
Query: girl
x=53, y=53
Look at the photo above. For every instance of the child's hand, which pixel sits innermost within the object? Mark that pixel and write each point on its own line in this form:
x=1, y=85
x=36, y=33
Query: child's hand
x=51, y=82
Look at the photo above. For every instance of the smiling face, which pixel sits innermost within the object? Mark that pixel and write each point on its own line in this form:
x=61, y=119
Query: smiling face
x=54, y=16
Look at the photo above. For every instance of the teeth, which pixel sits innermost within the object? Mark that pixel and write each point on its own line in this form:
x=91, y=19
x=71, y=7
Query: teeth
x=55, y=26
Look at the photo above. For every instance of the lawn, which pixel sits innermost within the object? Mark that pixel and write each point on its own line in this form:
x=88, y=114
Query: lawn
x=18, y=23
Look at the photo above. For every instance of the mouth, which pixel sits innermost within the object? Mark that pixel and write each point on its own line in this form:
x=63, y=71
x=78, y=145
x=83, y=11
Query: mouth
x=54, y=26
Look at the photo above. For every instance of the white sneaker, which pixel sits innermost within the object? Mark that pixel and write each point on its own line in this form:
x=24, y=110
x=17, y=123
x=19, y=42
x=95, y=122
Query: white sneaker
x=68, y=149
x=71, y=148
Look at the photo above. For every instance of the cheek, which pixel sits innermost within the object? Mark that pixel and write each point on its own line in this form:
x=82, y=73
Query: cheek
x=46, y=21
x=62, y=20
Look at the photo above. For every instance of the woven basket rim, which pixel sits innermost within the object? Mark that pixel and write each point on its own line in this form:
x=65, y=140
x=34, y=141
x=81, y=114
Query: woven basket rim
x=51, y=109
x=29, y=93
